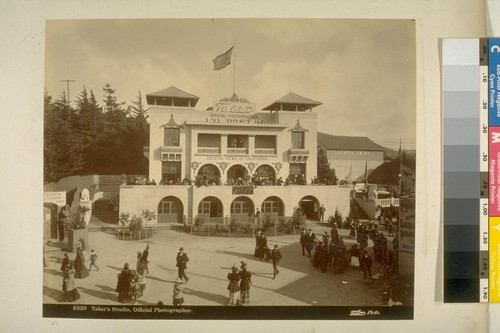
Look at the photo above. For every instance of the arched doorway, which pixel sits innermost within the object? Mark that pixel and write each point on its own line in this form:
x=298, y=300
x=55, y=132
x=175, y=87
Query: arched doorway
x=237, y=173
x=208, y=174
x=264, y=175
x=211, y=208
x=310, y=207
x=170, y=210
x=273, y=206
x=242, y=208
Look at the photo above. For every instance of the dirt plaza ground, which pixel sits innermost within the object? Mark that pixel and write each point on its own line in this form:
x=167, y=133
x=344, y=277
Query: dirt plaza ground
x=211, y=258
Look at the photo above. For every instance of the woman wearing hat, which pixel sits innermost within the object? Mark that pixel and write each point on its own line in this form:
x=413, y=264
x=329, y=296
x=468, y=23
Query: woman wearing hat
x=178, y=298
x=234, y=286
x=246, y=282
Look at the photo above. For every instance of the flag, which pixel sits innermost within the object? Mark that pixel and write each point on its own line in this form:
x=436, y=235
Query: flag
x=223, y=60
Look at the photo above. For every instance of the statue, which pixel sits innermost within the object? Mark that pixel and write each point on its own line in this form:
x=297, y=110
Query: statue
x=85, y=209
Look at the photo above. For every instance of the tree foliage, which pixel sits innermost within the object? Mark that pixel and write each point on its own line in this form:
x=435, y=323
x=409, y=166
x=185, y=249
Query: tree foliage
x=326, y=174
x=90, y=139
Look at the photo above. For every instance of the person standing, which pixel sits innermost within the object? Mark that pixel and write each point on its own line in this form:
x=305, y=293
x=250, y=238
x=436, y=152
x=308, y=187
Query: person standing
x=303, y=241
x=263, y=249
x=366, y=264
x=144, y=259
x=275, y=256
x=182, y=260
x=123, y=285
x=63, y=221
x=258, y=237
x=310, y=238
x=245, y=283
x=141, y=275
x=234, y=286
x=178, y=298
x=322, y=211
x=93, y=260
x=70, y=292
x=65, y=263
x=80, y=268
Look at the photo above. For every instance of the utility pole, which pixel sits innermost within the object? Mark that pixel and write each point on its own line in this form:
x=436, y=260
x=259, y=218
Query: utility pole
x=67, y=86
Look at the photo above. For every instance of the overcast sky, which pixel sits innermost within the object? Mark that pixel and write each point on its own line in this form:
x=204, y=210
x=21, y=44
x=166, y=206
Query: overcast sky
x=363, y=71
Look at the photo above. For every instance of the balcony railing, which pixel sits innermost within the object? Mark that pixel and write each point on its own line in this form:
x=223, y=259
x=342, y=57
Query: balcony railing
x=171, y=149
x=237, y=151
x=208, y=150
x=265, y=151
x=388, y=202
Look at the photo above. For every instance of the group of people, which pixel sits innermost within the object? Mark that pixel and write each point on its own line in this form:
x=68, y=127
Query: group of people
x=76, y=269
x=239, y=285
x=132, y=283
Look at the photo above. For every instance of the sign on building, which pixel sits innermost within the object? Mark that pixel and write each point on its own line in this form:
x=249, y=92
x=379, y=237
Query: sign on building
x=58, y=198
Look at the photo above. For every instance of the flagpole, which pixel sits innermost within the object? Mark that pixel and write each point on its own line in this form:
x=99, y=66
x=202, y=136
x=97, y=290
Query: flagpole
x=234, y=67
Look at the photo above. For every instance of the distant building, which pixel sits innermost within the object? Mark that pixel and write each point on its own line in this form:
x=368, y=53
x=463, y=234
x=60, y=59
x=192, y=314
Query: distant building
x=350, y=155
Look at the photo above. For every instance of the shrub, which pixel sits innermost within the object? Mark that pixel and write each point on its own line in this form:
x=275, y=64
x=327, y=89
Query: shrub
x=233, y=225
x=267, y=223
x=199, y=222
x=298, y=219
x=148, y=215
x=135, y=224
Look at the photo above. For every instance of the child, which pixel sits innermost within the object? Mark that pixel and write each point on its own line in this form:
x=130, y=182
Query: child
x=93, y=259
x=178, y=298
x=142, y=281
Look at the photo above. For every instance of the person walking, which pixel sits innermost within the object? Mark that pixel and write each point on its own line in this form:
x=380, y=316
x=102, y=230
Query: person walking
x=178, y=297
x=303, y=241
x=275, y=256
x=258, y=238
x=182, y=260
x=366, y=264
x=245, y=283
x=93, y=260
x=234, y=286
x=123, y=285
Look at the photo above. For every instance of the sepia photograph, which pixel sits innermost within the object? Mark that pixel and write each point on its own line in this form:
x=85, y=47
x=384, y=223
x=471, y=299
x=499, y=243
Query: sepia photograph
x=229, y=169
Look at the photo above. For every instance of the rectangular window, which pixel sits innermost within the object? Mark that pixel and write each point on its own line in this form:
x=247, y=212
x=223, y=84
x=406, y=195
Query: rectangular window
x=171, y=136
x=209, y=140
x=297, y=169
x=265, y=141
x=237, y=141
x=298, y=140
x=171, y=171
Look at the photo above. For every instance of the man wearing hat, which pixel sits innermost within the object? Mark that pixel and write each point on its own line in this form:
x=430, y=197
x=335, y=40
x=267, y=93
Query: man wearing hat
x=182, y=260
x=275, y=256
x=310, y=238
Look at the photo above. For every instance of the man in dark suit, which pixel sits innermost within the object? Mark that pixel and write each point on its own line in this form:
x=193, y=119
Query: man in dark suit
x=275, y=256
x=182, y=260
x=303, y=241
x=310, y=238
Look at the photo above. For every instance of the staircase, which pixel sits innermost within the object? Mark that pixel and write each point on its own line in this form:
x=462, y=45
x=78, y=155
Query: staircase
x=109, y=183
x=104, y=212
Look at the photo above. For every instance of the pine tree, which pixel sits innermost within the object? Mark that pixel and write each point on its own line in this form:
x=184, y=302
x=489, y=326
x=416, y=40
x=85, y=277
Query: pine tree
x=326, y=174
x=62, y=155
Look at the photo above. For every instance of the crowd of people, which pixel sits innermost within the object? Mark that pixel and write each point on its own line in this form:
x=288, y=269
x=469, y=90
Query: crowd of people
x=326, y=251
x=204, y=180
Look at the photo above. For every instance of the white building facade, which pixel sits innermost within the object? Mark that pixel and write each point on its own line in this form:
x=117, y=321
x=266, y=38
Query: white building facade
x=231, y=160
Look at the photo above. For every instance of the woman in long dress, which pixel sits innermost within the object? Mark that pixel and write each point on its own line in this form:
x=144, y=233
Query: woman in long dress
x=70, y=292
x=245, y=283
x=81, y=270
x=234, y=286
